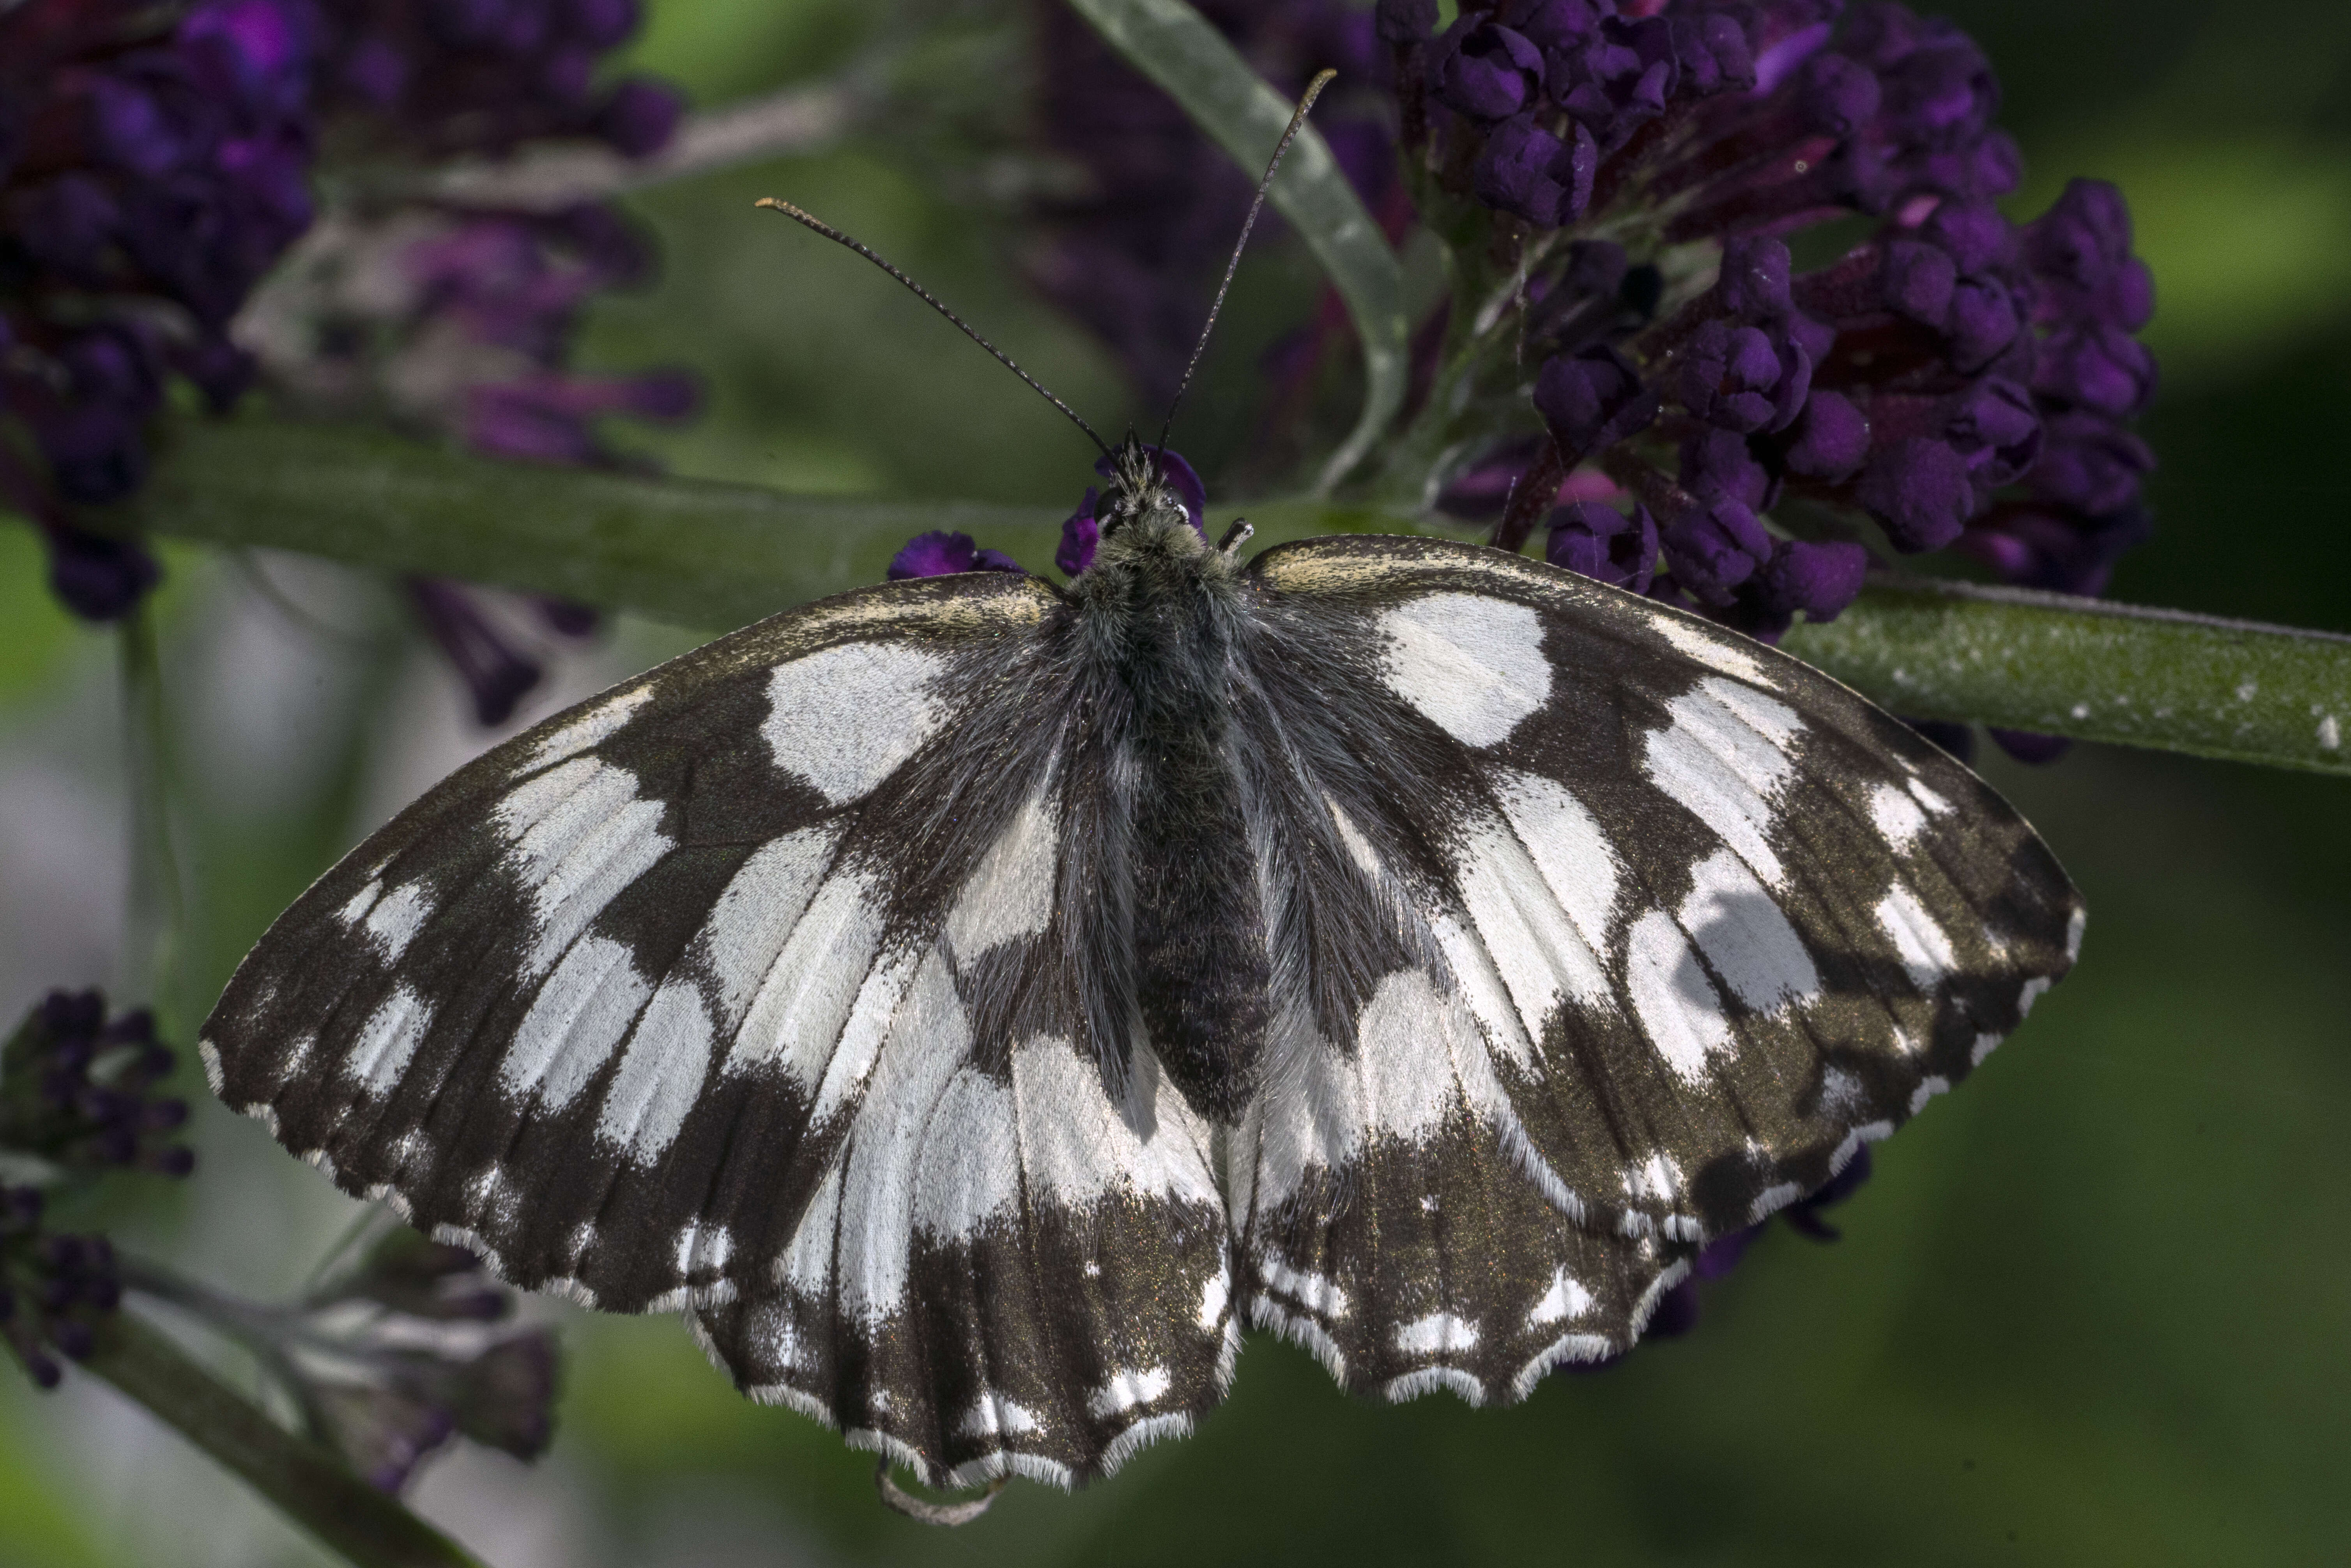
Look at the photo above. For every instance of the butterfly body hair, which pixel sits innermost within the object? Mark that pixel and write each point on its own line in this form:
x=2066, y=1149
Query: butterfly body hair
x=1160, y=617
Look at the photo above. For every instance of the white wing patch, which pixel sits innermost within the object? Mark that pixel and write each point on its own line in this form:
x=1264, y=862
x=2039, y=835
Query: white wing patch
x=1011, y=894
x=845, y=718
x=1926, y=952
x=581, y=835
x=1075, y=1147
x=758, y=912
x=1473, y=665
x=1714, y=651
x=1679, y=1007
x=599, y=720
x=1724, y=758
x=1898, y=816
x=389, y=1039
x=803, y=1000
x=661, y=1074
x=579, y=1017
x=1740, y=930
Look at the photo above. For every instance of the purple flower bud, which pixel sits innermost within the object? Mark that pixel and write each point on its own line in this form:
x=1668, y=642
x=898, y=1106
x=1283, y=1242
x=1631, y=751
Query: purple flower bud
x=2082, y=247
x=1831, y=438
x=1402, y=22
x=1916, y=280
x=1920, y=490
x=601, y=24
x=2090, y=463
x=1836, y=95
x=1740, y=379
x=495, y=672
x=1605, y=544
x=1712, y=53
x=1562, y=23
x=941, y=554
x=1488, y=71
x=255, y=53
x=1720, y=463
x=1819, y=578
x=637, y=118
x=129, y=130
x=2097, y=367
x=1754, y=283
x=1533, y=175
x=1713, y=546
x=1974, y=235
x=1995, y=429
x=1984, y=320
x=1592, y=399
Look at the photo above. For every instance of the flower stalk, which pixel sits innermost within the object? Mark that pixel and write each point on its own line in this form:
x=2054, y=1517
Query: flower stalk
x=707, y=555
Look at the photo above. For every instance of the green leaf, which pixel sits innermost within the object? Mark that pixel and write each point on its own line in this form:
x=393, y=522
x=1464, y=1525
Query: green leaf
x=1169, y=42
x=718, y=556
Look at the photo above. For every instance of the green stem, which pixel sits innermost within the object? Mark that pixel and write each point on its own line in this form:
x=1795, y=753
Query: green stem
x=312, y=1486
x=718, y=556
x=151, y=943
x=1173, y=45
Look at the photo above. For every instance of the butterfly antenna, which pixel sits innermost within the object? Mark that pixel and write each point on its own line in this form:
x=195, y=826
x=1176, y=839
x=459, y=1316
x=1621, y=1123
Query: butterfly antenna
x=1297, y=121
x=808, y=220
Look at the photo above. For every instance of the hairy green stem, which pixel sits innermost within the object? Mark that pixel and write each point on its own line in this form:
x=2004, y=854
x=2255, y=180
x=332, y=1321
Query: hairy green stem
x=718, y=556
x=313, y=1487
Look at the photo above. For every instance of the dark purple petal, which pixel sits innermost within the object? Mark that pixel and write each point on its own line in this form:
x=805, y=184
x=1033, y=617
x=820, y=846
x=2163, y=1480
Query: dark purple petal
x=1818, y=578
x=1713, y=546
x=1753, y=282
x=1836, y=95
x=638, y=116
x=1995, y=429
x=2082, y=247
x=1720, y=463
x=1592, y=399
x=1921, y=491
x=1530, y=173
x=1741, y=378
x=1831, y=438
x=1605, y=544
x=1488, y=72
x=1080, y=534
x=2098, y=367
x=1916, y=280
x=494, y=671
x=2090, y=463
x=1983, y=322
x=942, y=554
x=97, y=577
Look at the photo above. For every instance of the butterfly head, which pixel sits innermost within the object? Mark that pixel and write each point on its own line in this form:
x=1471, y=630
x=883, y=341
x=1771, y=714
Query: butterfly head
x=1142, y=507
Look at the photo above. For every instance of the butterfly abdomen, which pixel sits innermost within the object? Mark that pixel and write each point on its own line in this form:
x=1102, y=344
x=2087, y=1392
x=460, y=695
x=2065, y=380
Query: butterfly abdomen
x=1160, y=616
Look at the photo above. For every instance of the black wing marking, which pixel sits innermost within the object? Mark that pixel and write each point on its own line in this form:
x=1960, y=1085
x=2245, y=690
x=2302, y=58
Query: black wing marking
x=1717, y=920
x=746, y=988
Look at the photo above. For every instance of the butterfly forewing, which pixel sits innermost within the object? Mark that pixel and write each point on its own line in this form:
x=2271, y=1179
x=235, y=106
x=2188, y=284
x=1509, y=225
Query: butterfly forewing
x=751, y=987
x=1625, y=932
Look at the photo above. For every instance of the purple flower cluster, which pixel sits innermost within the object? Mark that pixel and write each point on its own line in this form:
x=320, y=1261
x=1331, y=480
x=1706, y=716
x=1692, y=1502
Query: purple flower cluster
x=74, y=1097
x=1958, y=380
x=75, y=1090
x=408, y=1350
x=153, y=164
x=1136, y=256
x=427, y=79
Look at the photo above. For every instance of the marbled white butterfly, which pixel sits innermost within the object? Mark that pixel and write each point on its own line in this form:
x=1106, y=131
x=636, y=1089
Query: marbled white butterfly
x=970, y=1000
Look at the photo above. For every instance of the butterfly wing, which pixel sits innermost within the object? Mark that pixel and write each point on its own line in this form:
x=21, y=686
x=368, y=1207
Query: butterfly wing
x=1629, y=932
x=750, y=987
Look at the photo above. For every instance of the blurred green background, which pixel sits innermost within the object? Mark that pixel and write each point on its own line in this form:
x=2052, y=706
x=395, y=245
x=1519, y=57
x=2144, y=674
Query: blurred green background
x=2093, y=1309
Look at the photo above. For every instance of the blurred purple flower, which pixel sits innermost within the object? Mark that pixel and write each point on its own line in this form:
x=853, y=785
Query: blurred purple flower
x=943, y=554
x=75, y=1099
x=153, y=164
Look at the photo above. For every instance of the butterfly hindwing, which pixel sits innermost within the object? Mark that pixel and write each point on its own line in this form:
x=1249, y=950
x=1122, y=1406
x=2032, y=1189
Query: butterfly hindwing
x=747, y=987
x=1632, y=927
